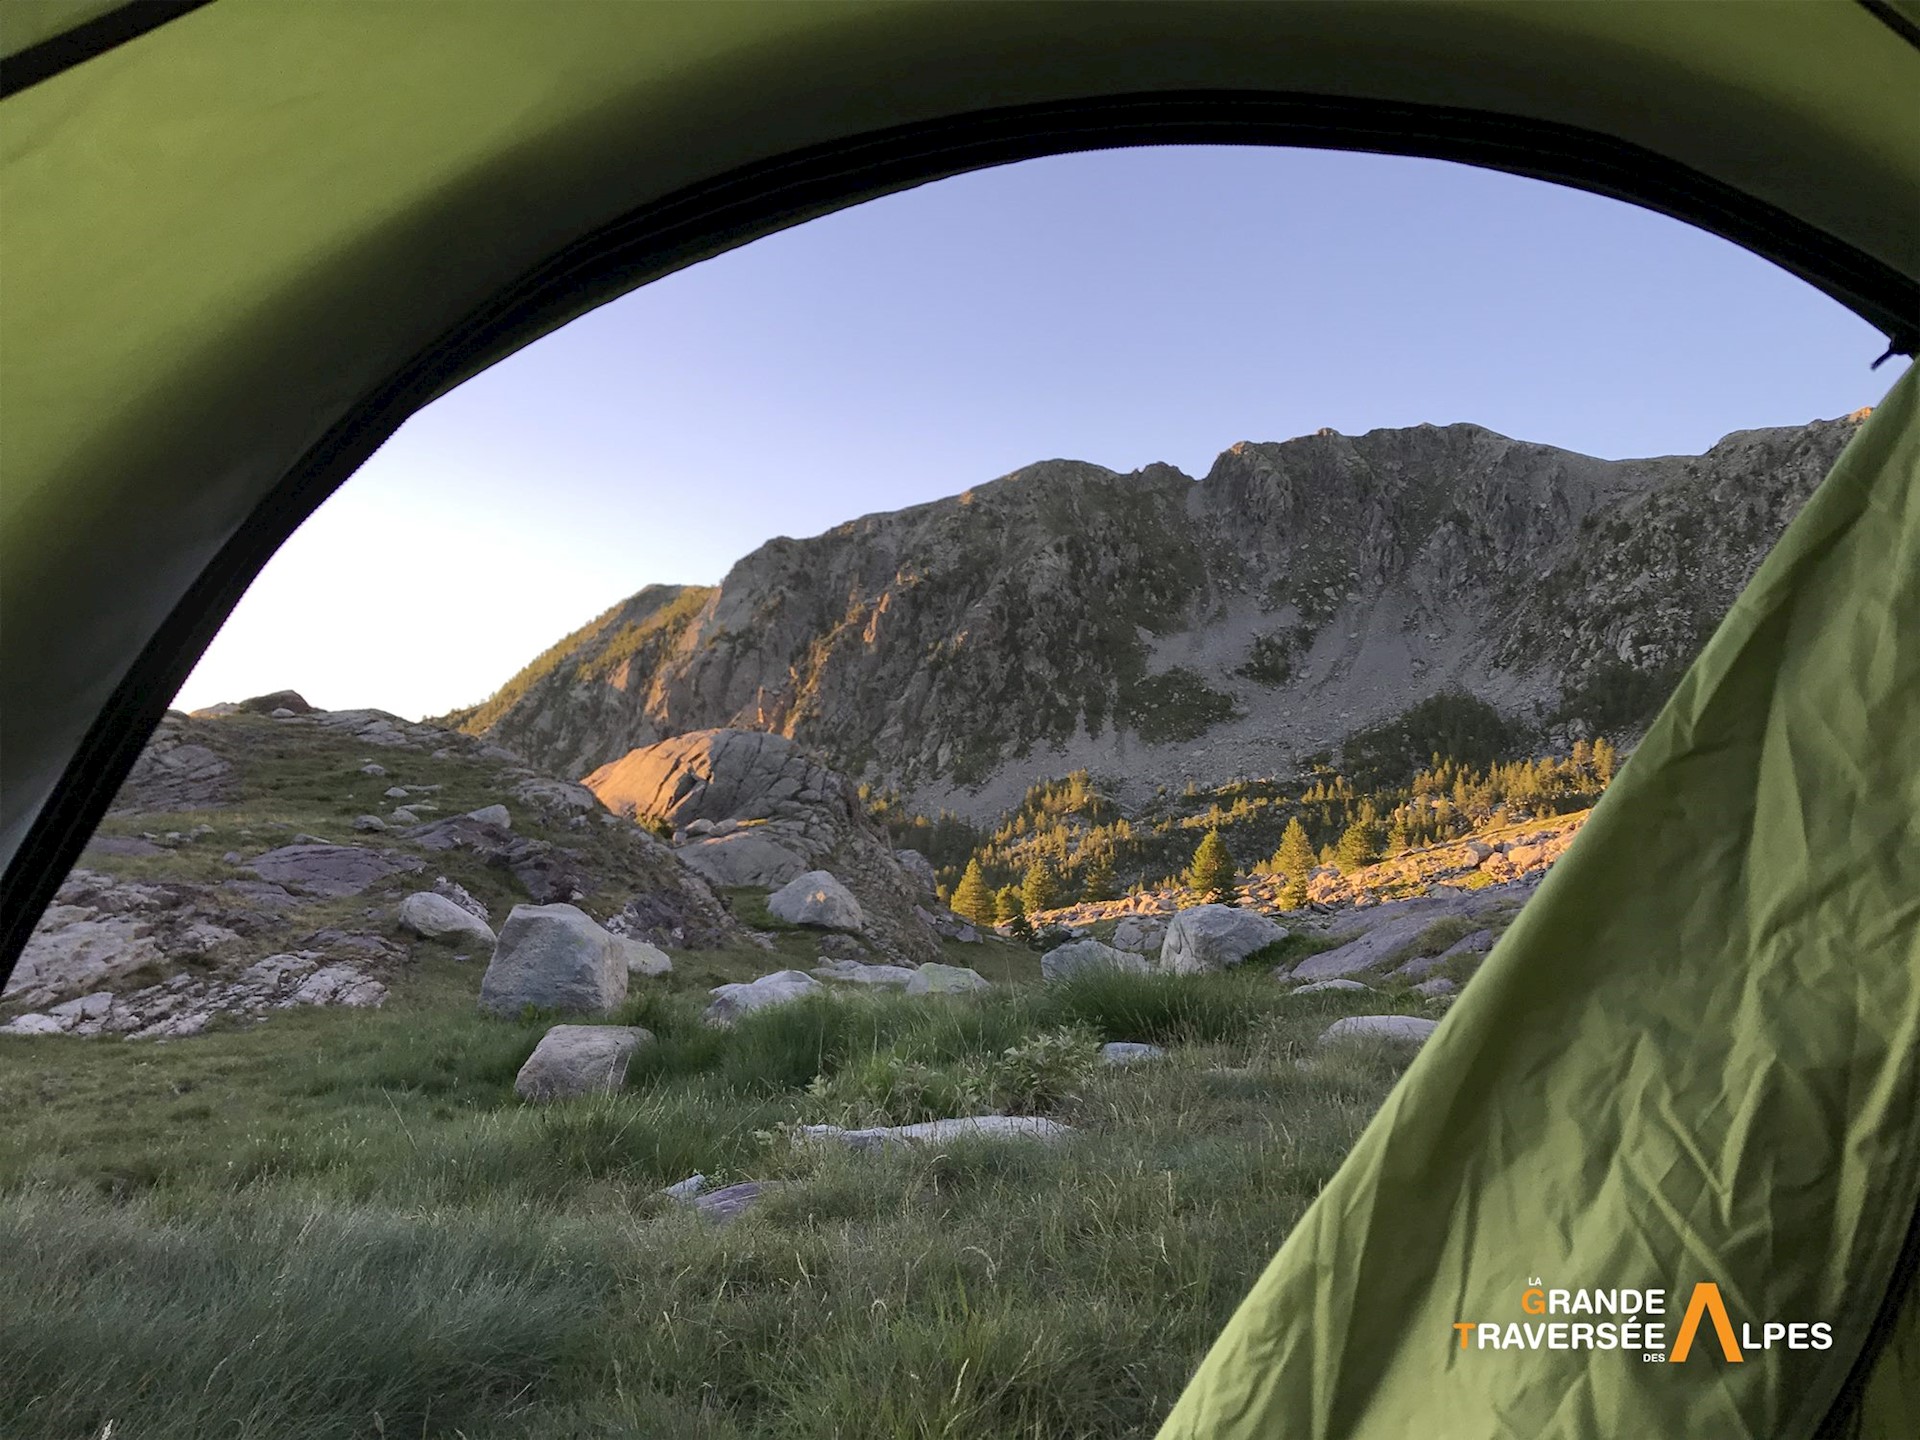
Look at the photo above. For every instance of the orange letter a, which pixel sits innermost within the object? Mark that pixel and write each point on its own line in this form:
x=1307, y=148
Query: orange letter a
x=1706, y=1299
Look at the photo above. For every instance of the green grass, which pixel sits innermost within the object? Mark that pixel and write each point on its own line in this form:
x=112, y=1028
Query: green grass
x=343, y=1224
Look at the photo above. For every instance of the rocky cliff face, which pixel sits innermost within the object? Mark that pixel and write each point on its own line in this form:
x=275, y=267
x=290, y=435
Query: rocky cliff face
x=1156, y=629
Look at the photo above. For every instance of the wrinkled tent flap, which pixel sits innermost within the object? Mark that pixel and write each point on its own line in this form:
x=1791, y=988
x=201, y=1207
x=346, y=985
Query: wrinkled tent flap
x=1692, y=1058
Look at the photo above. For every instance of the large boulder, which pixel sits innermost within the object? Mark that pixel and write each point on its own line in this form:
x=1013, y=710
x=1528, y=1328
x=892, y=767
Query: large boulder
x=1078, y=957
x=782, y=987
x=1215, y=937
x=575, y=1060
x=433, y=916
x=816, y=898
x=177, y=773
x=554, y=957
x=946, y=980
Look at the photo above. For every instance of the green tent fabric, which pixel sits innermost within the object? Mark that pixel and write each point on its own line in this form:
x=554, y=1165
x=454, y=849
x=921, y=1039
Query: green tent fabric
x=1695, y=1056
x=241, y=241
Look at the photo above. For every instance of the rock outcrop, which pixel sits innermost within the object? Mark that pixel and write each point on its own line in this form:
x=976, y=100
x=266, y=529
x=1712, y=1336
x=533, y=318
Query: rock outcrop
x=751, y=809
x=234, y=843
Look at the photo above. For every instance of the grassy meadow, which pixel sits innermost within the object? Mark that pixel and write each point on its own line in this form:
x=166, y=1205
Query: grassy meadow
x=342, y=1224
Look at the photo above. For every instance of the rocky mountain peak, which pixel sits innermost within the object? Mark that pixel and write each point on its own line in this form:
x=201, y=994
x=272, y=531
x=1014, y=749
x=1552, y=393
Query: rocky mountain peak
x=1155, y=628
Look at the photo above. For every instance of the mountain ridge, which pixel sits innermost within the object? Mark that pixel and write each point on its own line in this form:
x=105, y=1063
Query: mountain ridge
x=1156, y=627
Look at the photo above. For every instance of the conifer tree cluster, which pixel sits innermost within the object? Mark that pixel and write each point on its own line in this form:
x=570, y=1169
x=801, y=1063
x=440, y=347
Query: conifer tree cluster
x=1068, y=842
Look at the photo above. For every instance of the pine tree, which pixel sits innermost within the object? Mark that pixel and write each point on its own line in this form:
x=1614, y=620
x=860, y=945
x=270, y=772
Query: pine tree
x=1603, y=761
x=1212, y=871
x=1359, y=846
x=1040, y=890
x=972, y=898
x=1099, y=883
x=1398, y=838
x=1294, y=859
x=1012, y=912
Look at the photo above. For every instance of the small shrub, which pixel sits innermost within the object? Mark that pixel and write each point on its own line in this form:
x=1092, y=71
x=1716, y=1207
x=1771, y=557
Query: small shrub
x=1039, y=1074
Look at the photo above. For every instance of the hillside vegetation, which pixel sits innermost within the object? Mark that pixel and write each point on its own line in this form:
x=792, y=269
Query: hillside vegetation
x=1080, y=833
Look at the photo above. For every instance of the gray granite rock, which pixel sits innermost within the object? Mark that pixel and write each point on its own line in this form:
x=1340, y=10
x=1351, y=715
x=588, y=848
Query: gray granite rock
x=1079, y=957
x=946, y=980
x=783, y=987
x=435, y=917
x=816, y=898
x=575, y=1060
x=554, y=957
x=1128, y=1052
x=1215, y=937
x=1409, y=1028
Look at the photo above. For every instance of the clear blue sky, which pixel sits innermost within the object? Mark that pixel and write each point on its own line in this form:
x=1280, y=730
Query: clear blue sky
x=1122, y=307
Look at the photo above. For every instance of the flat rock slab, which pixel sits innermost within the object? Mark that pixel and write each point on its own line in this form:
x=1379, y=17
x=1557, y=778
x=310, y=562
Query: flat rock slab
x=575, y=1060
x=1366, y=952
x=1322, y=987
x=940, y=1132
x=1128, y=1052
x=1478, y=943
x=852, y=972
x=59, y=960
x=734, y=1200
x=1409, y=1028
x=331, y=870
